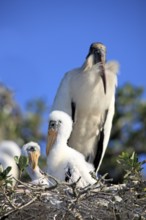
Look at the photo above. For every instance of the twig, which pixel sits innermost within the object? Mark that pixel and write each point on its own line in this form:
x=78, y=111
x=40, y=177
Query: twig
x=4, y=193
x=27, y=185
x=27, y=204
x=35, y=187
x=18, y=208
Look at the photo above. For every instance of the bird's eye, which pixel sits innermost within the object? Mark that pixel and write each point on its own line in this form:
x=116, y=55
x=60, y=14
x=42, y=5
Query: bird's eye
x=60, y=122
x=32, y=148
x=96, y=50
x=52, y=124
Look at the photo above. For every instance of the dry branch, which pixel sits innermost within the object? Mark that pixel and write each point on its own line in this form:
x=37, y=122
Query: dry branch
x=67, y=202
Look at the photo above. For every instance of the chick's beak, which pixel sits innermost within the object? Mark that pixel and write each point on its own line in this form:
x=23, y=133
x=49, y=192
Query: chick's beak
x=33, y=158
x=52, y=134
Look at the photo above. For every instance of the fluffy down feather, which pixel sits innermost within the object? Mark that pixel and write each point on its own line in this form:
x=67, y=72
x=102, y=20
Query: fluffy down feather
x=63, y=160
x=8, y=150
x=36, y=175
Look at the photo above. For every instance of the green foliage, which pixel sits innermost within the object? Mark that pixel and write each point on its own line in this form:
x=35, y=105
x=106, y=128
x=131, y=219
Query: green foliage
x=18, y=125
x=10, y=115
x=129, y=123
x=22, y=163
x=131, y=166
x=5, y=179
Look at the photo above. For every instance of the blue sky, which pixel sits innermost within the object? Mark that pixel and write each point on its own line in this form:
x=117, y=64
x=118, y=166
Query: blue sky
x=41, y=40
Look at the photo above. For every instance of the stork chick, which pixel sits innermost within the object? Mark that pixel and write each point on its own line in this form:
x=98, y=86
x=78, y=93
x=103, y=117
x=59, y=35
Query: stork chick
x=8, y=150
x=64, y=162
x=87, y=94
x=32, y=151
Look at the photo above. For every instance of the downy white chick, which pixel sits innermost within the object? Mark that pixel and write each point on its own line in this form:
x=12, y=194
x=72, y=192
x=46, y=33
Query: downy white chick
x=32, y=151
x=8, y=150
x=63, y=162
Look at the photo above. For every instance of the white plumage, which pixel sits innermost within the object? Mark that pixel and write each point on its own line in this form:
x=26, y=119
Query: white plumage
x=63, y=162
x=32, y=151
x=8, y=150
x=87, y=94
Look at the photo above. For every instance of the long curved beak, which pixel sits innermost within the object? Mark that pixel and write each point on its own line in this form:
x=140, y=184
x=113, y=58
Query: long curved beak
x=33, y=158
x=52, y=134
x=102, y=74
x=98, y=50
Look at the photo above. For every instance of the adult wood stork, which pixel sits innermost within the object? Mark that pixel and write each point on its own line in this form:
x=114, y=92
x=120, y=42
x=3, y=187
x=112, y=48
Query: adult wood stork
x=63, y=162
x=8, y=150
x=32, y=151
x=87, y=94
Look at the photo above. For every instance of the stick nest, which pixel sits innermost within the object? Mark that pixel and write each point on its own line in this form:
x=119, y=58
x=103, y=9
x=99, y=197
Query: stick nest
x=65, y=201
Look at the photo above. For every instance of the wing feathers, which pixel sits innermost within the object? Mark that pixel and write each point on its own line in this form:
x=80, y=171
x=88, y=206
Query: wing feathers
x=104, y=135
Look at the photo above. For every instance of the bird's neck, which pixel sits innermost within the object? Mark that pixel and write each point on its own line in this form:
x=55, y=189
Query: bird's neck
x=59, y=143
x=34, y=174
x=87, y=65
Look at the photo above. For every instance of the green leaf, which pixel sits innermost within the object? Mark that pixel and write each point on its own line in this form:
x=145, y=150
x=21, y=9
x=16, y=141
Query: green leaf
x=1, y=168
x=4, y=174
x=16, y=158
x=23, y=162
x=7, y=170
x=130, y=165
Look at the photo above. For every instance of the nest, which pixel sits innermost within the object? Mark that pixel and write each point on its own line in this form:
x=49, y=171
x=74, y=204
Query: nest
x=67, y=202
